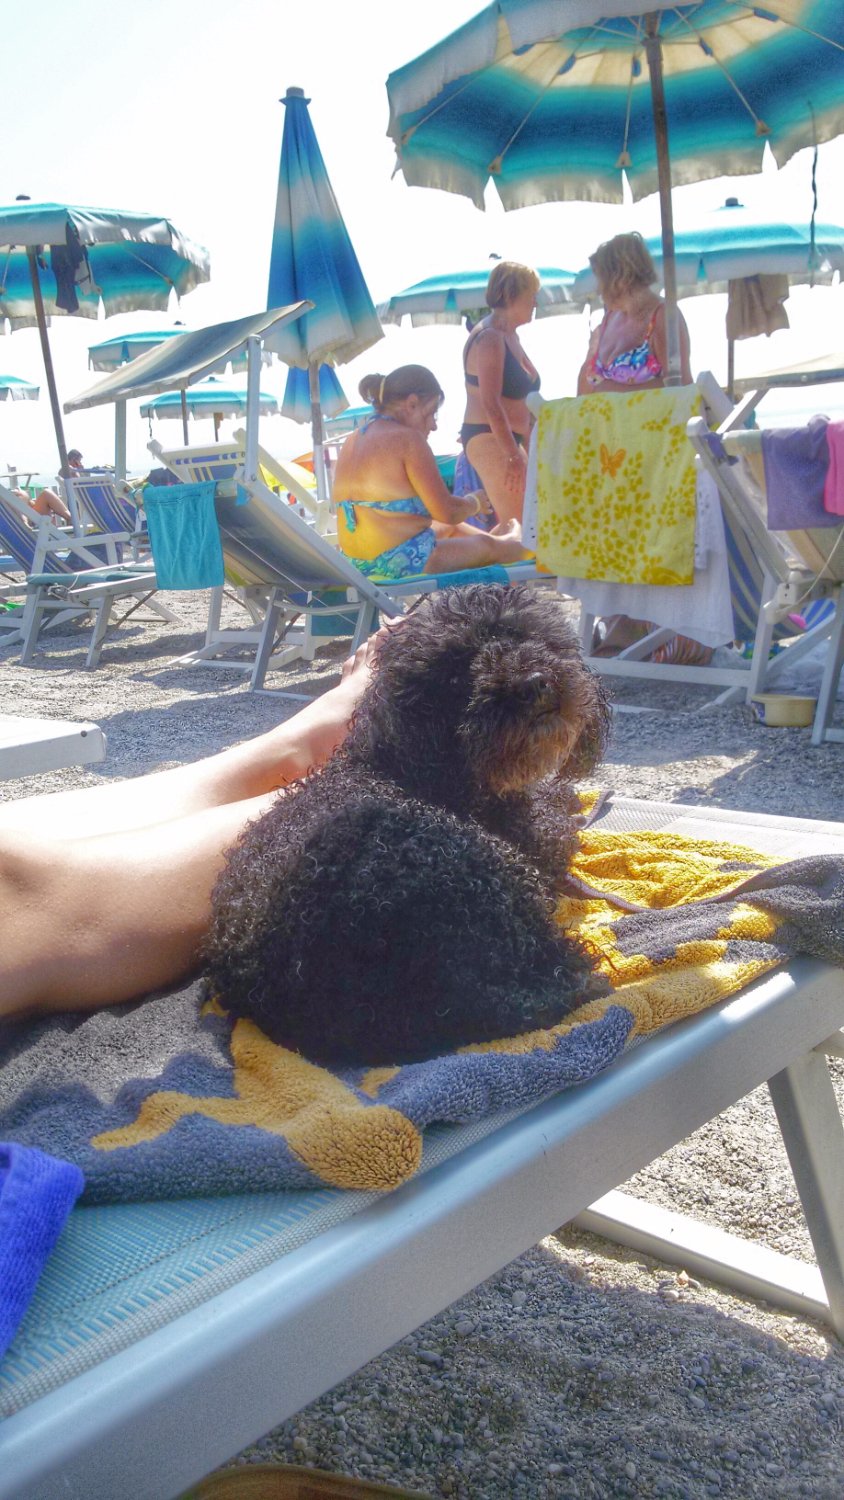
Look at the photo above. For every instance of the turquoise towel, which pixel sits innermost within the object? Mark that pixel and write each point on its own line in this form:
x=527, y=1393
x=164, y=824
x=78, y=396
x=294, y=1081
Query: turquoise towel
x=492, y=574
x=184, y=536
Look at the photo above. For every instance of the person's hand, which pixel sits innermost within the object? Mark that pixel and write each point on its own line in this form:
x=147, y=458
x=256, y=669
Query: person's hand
x=514, y=480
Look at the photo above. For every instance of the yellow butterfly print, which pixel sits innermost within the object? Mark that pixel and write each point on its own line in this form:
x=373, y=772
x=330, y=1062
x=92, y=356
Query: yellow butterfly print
x=611, y=462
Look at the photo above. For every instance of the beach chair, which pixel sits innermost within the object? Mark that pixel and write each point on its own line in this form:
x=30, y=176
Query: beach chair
x=764, y=586
x=106, y=505
x=801, y=567
x=306, y=590
x=69, y=577
x=167, y=1336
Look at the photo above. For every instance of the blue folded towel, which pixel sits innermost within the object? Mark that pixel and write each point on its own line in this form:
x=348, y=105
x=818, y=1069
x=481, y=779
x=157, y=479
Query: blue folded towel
x=37, y=1193
x=492, y=574
x=184, y=536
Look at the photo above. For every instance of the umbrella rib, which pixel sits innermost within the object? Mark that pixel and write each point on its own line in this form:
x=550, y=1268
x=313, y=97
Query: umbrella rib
x=817, y=36
x=761, y=127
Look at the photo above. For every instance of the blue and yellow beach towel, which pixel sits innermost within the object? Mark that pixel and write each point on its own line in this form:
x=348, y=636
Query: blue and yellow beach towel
x=615, y=486
x=170, y=1098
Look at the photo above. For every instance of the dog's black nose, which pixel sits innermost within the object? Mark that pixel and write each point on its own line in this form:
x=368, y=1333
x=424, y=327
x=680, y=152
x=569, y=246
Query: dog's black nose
x=534, y=688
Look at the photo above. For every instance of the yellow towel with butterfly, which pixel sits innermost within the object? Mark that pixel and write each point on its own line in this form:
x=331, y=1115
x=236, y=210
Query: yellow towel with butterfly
x=615, y=486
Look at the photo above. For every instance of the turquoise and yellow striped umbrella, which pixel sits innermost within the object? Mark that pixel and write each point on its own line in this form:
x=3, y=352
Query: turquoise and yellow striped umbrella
x=554, y=99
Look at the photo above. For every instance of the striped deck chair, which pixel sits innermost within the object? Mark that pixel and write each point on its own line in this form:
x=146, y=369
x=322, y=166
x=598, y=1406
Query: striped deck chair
x=106, y=504
x=68, y=577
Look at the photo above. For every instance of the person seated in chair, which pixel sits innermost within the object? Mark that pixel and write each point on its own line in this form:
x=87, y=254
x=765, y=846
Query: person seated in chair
x=395, y=514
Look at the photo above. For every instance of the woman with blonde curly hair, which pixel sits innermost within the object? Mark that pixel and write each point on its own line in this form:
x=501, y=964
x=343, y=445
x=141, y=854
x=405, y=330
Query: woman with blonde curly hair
x=628, y=348
x=499, y=376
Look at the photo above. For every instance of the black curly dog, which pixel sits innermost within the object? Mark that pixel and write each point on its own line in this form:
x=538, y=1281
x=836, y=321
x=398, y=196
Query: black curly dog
x=399, y=903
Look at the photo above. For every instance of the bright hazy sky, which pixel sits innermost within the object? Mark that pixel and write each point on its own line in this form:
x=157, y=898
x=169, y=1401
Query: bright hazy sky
x=171, y=107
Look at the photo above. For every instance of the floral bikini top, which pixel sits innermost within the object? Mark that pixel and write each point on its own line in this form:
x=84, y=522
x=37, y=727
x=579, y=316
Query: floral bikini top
x=631, y=366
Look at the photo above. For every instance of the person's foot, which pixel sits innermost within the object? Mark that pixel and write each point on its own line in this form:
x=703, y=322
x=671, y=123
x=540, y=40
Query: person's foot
x=507, y=536
x=324, y=724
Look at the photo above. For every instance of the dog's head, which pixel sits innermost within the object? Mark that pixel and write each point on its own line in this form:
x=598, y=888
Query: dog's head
x=482, y=689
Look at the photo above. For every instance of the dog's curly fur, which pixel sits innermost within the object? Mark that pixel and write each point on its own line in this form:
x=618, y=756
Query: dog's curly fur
x=399, y=903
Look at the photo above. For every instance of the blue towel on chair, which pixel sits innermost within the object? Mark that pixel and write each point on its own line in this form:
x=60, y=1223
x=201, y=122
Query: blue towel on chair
x=37, y=1193
x=796, y=461
x=184, y=536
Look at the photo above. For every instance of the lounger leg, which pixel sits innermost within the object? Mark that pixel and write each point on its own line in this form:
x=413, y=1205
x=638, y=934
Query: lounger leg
x=215, y=608
x=98, y=635
x=364, y=625
x=33, y=615
x=813, y=1133
x=275, y=606
x=762, y=643
x=831, y=674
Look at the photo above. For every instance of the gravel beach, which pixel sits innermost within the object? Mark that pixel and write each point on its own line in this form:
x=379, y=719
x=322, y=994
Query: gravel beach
x=581, y=1369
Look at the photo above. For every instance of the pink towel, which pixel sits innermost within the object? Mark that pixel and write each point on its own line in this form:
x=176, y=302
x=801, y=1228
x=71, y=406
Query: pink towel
x=833, y=490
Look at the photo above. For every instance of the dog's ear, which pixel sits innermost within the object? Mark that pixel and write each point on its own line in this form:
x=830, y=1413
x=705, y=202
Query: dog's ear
x=590, y=746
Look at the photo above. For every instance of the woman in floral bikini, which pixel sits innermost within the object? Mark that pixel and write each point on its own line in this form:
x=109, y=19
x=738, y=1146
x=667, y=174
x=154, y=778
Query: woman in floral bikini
x=628, y=348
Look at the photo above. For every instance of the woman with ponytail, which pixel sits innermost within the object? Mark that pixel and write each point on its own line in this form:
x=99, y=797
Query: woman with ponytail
x=395, y=516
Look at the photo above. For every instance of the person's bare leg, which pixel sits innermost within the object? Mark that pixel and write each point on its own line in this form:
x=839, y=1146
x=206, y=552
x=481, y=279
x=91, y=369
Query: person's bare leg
x=247, y=770
x=478, y=549
x=48, y=503
x=504, y=482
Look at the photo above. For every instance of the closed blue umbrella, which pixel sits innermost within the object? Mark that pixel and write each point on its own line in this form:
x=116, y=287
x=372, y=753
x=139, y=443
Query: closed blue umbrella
x=61, y=259
x=12, y=388
x=296, y=404
x=452, y=297
x=312, y=257
x=554, y=99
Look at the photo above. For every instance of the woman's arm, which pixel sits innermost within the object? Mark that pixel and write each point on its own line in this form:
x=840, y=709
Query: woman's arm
x=427, y=482
x=660, y=344
x=584, y=386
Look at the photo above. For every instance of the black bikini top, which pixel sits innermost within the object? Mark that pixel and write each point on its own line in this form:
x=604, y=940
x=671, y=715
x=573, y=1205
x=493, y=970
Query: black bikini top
x=516, y=383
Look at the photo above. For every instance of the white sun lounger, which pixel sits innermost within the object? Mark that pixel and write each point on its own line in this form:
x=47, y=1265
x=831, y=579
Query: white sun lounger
x=30, y=746
x=198, y=1326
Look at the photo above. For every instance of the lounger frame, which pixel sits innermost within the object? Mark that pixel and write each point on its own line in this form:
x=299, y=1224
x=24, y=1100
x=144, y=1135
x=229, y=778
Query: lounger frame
x=152, y=1419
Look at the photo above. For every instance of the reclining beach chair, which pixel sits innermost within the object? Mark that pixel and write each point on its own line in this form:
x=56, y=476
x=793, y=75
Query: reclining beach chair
x=107, y=505
x=68, y=577
x=305, y=590
x=166, y=1336
x=764, y=586
x=800, y=567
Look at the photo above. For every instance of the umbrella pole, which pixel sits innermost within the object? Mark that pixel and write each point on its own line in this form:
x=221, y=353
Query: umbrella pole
x=731, y=368
x=41, y=319
x=653, y=51
x=120, y=439
x=318, y=438
x=217, y=420
x=185, y=417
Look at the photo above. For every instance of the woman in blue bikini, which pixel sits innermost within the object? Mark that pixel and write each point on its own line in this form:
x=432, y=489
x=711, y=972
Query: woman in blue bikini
x=395, y=516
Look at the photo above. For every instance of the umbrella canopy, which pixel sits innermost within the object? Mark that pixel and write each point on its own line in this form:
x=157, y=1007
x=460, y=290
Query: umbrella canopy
x=826, y=369
x=58, y=258
x=312, y=257
x=12, y=388
x=178, y=363
x=732, y=242
x=349, y=420
x=112, y=353
x=208, y=399
x=451, y=297
x=553, y=99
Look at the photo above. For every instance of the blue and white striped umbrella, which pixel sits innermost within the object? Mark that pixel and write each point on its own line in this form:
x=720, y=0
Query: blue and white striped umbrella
x=13, y=388
x=61, y=259
x=112, y=353
x=732, y=242
x=207, y=399
x=451, y=297
x=312, y=256
x=553, y=99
